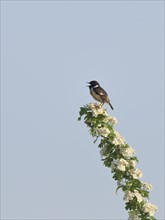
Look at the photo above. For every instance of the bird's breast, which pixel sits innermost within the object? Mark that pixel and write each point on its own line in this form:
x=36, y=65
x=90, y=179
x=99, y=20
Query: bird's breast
x=95, y=96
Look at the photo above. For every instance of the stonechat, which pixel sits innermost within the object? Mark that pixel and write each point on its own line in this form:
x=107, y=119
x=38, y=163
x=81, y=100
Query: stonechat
x=98, y=93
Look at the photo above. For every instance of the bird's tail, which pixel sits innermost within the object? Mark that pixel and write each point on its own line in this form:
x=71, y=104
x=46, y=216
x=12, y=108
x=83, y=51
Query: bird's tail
x=110, y=105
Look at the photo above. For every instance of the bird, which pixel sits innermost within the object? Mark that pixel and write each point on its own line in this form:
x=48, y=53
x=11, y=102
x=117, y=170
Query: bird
x=98, y=93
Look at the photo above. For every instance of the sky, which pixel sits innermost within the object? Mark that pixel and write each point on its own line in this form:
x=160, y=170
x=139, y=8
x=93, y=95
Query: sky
x=50, y=167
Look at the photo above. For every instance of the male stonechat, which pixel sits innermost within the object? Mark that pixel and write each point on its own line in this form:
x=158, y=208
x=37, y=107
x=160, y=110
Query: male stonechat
x=98, y=93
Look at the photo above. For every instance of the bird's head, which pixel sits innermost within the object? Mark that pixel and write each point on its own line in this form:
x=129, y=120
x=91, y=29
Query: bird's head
x=93, y=84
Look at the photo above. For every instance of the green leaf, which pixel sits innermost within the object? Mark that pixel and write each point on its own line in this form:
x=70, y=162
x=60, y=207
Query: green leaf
x=119, y=188
x=135, y=158
x=95, y=140
x=118, y=175
x=145, y=193
x=134, y=184
x=83, y=111
x=79, y=118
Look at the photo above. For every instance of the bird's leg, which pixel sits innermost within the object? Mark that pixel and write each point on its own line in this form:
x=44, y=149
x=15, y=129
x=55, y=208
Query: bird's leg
x=102, y=103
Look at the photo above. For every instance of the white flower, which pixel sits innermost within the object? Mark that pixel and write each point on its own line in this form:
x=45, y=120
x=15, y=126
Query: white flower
x=121, y=167
x=96, y=112
x=136, y=173
x=133, y=215
x=96, y=109
x=146, y=186
x=127, y=152
x=110, y=119
x=128, y=196
x=102, y=131
x=113, y=120
x=132, y=163
x=150, y=208
x=121, y=164
x=118, y=139
x=91, y=105
x=138, y=196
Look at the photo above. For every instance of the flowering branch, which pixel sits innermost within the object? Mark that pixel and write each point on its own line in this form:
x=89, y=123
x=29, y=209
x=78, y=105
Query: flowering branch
x=120, y=157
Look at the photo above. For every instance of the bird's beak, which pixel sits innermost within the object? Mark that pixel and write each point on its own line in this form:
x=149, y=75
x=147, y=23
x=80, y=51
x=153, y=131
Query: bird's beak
x=88, y=83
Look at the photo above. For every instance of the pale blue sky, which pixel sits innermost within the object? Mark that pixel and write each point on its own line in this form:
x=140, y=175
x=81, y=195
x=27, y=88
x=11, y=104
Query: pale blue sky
x=50, y=167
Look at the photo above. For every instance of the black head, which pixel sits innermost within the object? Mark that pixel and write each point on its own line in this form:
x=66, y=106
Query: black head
x=93, y=83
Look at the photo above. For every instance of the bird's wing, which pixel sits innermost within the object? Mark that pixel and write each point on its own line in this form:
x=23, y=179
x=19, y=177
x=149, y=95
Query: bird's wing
x=100, y=91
